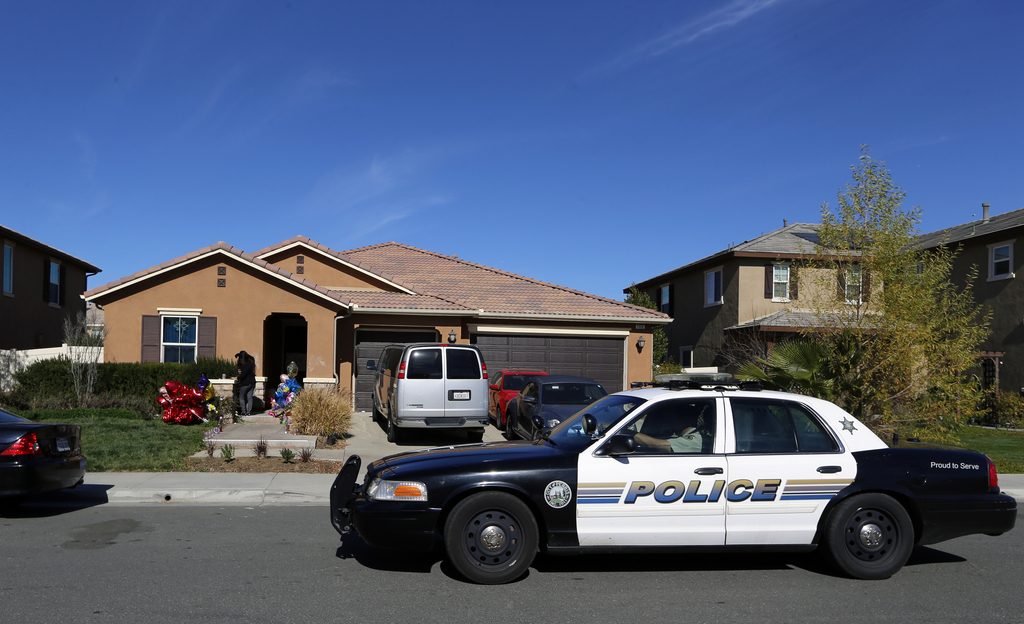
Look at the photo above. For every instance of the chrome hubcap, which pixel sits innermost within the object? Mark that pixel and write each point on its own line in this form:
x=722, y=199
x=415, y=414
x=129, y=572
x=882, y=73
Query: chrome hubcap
x=870, y=536
x=492, y=538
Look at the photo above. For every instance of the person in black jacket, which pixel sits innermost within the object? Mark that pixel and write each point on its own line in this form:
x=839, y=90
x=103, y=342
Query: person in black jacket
x=246, y=382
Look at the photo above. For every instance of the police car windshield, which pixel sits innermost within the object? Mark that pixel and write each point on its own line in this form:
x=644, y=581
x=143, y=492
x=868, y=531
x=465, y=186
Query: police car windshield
x=608, y=411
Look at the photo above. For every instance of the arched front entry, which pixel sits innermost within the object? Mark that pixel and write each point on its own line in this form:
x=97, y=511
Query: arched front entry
x=284, y=341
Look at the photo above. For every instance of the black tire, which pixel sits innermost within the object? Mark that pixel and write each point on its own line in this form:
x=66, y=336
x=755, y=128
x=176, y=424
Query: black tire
x=499, y=424
x=475, y=436
x=510, y=426
x=869, y=536
x=491, y=538
x=394, y=433
x=377, y=416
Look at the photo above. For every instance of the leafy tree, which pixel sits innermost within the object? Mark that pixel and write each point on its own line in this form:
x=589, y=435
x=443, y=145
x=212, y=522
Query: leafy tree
x=637, y=297
x=896, y=334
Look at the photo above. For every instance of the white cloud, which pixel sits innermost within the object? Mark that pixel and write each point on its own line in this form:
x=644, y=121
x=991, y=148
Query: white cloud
x=687, y=33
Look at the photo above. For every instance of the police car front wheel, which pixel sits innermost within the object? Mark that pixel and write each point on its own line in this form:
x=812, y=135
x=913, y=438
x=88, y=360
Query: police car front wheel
x=869, y=536
x=491, y=538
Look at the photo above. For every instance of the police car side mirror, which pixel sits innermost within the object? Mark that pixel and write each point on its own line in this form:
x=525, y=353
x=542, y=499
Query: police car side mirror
x=528, y=398
x=371, y=365
x=589, y=424
x=618, y=444
x=538, y=422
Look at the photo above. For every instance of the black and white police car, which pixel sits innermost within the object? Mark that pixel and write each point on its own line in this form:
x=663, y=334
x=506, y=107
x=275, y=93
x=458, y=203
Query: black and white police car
x=698, y=467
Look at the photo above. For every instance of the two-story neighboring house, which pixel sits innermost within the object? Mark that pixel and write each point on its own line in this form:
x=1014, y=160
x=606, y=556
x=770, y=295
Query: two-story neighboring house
x=994, y=246
x=41, y=287
x=752, y=288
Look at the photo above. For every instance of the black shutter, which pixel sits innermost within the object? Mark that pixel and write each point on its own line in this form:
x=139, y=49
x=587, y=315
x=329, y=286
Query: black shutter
x=46, y=281
x=63, y=283
x=671, y=299
x=657, y=298
x=769, y=281
x=841, y=283
x=865, y=285
x=794, y=283
x=150, y=338
x=207, y=336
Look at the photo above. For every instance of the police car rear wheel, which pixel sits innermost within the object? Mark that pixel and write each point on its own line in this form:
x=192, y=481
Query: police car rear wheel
x=869, y=536
x=491, y=538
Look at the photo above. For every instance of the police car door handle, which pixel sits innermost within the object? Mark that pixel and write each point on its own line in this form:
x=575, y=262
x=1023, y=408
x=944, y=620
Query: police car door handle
x=829, y=469
x=708, y=471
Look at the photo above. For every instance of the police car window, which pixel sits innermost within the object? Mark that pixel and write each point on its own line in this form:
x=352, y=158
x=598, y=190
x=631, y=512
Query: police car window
x=676, y=426
x=424, y=364
x=608, y=411
x=462, y=364
x=764, y=426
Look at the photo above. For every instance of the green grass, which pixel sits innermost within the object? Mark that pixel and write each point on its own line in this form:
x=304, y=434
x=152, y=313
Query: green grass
x=1005, y=448
x=116, y=440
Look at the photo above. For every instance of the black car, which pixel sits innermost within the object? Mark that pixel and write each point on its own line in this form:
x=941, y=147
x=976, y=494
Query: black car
x=546, y=401
x=37, y=457
x=719, y=467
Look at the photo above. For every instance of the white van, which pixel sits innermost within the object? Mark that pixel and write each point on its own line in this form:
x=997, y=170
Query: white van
x=430, y=386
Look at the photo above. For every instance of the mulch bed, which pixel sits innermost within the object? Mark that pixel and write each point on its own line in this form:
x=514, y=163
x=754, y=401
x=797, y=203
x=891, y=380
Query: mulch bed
x=255, y=464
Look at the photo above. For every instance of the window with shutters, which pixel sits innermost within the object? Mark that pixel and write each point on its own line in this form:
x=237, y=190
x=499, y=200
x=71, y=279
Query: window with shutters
x=713, y=287
x=1000, y=260
x=665, y=299
x=178, y=338
x=54, y=276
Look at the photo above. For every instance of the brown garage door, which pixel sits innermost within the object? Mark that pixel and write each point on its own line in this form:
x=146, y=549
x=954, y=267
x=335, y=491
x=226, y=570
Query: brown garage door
x=369, y=344
x=597, y=358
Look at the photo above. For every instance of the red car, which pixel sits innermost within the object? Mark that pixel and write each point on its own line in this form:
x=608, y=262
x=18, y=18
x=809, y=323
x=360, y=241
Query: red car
x=505, y=385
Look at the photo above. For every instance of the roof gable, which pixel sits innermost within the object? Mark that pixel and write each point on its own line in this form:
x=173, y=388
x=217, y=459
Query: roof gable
x=973, y=229
x=329, y=268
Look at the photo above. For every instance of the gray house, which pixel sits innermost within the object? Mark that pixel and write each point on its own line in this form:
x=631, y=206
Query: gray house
x=994, y=245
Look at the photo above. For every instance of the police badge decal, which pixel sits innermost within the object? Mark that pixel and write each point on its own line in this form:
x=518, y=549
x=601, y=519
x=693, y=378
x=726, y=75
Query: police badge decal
x=557, y=494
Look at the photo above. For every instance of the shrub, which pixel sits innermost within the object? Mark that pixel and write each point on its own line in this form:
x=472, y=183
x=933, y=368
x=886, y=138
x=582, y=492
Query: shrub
x=306, y=454
x=287, y=455
x=1007, y=409
x=321, y=411
x=260, y=448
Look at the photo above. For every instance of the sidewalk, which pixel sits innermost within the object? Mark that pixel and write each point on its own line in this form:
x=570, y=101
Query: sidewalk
x=366, y=439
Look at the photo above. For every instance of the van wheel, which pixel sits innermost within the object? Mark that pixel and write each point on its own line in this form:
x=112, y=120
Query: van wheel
x=377, y=416
x=475, y=436
x=394, y=433
x=491, y=538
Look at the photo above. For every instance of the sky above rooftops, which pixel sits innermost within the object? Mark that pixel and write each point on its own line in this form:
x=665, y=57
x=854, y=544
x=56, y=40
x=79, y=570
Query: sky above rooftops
x=589, y=145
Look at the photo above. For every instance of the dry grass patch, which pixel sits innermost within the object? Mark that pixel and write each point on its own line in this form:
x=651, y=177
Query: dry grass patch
x=321, y=412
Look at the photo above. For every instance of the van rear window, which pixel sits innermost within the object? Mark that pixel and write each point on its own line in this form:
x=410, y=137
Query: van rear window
x=462, y=364
x=424, y=364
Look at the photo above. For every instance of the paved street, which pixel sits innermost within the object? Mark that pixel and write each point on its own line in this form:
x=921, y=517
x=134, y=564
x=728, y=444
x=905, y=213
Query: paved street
x=154, y=564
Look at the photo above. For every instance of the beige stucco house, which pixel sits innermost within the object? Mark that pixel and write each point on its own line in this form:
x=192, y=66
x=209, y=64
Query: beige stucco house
x=331, y=311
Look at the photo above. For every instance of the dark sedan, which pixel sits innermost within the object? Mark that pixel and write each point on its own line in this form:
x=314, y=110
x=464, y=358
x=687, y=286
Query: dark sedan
x=546, y=401
x=37, y=457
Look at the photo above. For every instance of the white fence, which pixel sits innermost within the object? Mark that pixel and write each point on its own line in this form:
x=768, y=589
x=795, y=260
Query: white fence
x=13, y=360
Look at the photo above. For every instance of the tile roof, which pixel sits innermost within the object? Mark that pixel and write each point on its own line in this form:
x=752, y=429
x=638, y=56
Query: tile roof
x=434, y=281
x=798, y=239
x=800, y=319
x=981, y=227
x=490, y=290
x=220, y=247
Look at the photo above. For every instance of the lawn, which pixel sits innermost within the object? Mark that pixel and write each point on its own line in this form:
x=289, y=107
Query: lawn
x=116, y=440
x=1005, y=448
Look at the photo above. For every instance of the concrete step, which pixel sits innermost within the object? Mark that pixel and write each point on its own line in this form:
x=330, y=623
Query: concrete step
x=261, y=419
x=247, y=434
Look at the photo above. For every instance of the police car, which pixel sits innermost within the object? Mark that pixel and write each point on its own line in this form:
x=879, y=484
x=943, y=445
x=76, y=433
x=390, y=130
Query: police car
x=692, y=467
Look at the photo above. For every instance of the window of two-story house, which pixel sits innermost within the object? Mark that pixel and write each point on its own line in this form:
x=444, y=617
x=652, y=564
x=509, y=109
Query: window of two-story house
x=665, y=299
x=1000, y=260
x=854, y=284
x=8, y=269
x=780, y=282
x=713, y=287
x=54, y=275
x=178, y=342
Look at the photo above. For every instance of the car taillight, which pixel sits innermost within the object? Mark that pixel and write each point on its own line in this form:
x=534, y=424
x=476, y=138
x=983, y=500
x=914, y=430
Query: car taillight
x=483, y=368
x=993, y=475
x=26, y=445
x=401, y=370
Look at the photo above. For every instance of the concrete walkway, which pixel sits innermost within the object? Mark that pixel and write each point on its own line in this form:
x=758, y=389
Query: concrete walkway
x=366, y=439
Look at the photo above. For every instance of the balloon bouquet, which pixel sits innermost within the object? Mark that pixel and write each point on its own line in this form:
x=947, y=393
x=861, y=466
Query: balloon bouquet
x=187, y=405
x=285, y=394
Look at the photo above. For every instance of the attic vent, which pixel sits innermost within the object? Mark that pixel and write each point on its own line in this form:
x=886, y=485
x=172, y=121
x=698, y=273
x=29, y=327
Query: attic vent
x=221, y=282
x=300, y=269
x=300, y=259
x=222, y=270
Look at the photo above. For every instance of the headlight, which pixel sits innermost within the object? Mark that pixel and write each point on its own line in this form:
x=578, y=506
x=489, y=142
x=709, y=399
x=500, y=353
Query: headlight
x=553, y=421
x=397, y=490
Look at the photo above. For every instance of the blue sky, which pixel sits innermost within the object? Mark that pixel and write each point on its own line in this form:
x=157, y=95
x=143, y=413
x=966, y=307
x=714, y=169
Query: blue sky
x=589, y=144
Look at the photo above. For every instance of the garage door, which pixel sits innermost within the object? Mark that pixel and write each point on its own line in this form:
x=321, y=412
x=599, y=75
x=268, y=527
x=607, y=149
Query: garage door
x=597, y=358
x=369, y=344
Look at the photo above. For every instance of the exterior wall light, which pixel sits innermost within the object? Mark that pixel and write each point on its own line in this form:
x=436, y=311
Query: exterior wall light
x=640, y=344
x=452, y=337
